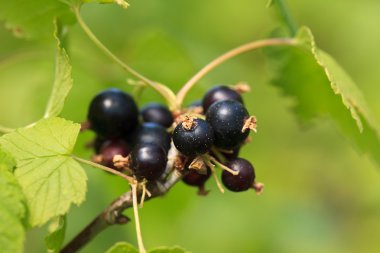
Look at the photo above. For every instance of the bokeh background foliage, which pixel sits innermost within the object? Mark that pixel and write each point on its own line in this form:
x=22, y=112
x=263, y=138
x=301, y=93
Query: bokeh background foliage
x=321, y=194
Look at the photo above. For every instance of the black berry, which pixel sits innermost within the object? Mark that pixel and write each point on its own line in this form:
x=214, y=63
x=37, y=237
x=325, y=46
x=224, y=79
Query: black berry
x=244, y=180
x=97, y=143
x=157, y=113
x=111, y=148
x=112, y=113
x=148, y=161
x=193, y=137
x=152, y=133
x=219, y=93
x=194, y=178
x=227, y=119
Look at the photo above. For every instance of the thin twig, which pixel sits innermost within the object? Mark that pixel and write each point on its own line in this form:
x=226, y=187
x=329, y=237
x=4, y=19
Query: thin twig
x=131, y=180
x=113, y=213
x=226, y=56
x=288, y=19
x=137, y=219
x=161, y=89
x=99, y=44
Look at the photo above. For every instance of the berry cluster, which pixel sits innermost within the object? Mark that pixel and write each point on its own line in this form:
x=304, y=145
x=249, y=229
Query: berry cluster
x=206, y=134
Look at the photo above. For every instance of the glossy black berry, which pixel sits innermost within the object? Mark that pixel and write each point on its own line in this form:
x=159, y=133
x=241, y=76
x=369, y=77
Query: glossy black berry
x=112, y=113
x=110, y=148
x=148, y=161
x=244, y=180
x=220, y=93
x=157, y=113
x=194, y=178
x=97, y=143
x=151, y=133
x=227, y=119
x=193, y=137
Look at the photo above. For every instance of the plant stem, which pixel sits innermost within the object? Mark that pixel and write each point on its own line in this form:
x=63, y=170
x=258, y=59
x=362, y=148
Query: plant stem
x=137, y=219
x=226, y=56
x=95, y=227
x=222, y=166
x=5, y=130
x=288, y=19
x=131, y=180
x=113, y=213
x=161, y=89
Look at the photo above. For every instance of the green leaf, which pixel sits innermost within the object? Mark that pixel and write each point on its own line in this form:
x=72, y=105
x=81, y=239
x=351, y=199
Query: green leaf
x=122, y=247
x=62, y=82
x=121, y=3
x=321, y=88
x=12, y=209
x=174, y=249
x=6, y=160
x=50, y=178
x=57, y=230
x=284, y=15
x=34, y=19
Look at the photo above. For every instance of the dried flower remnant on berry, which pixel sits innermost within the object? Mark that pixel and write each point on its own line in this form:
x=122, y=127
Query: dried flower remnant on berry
x=250, y=123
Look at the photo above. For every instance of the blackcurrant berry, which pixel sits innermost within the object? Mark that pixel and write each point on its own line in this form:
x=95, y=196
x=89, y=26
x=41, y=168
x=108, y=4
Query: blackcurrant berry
x=97, y=143
x=152, y=133
x=194, y=178
x=148, y=161
x=193, y=137
x=110, y=148
x=112, y=113
x=244, y=180
x=157, y=113
x=227, y=119
x=219, y=93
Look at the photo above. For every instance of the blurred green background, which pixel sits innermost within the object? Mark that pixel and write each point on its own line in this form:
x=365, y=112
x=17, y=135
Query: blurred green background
x=320, y=196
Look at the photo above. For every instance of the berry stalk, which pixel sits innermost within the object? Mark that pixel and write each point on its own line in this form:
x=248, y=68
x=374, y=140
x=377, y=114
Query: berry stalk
x=137, y=219
x=112, y=215
x=161, y=89
x=226, y=56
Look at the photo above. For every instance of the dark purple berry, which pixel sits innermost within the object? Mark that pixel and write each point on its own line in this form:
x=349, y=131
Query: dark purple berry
x=97, y=143
x=152, y=133
x=227, y=119
x=241, y=182
x=112, y=113
x=193, y=137
x=148, y=161
x=220, y=93
x=194, y=178
x=157, y=113
x=110, y=148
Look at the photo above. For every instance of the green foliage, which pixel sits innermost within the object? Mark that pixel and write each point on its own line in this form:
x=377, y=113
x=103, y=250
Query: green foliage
x=55, y=238
x=12, y=208
x=123, y=247
x=50, y=178
x=34, y=19
x=321, y=87
x=168, y=250
x=122, y=3
x=62, y=81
